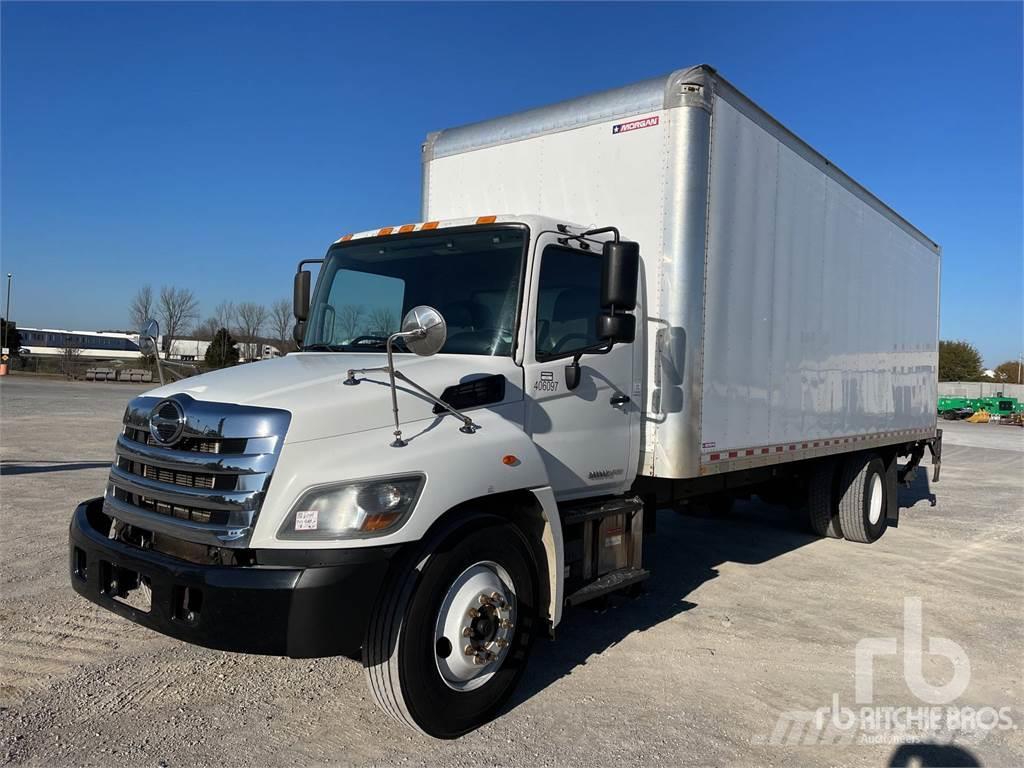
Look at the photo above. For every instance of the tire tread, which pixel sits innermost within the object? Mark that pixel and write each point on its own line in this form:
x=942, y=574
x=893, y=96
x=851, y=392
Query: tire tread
x=821, y=509
x=854, y=477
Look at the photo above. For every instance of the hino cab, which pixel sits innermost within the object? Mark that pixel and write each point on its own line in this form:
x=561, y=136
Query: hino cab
x=393, y=488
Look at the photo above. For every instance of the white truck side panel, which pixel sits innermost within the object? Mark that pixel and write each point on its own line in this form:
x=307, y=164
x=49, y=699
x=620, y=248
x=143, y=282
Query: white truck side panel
x=820, y=315
x=588, y=176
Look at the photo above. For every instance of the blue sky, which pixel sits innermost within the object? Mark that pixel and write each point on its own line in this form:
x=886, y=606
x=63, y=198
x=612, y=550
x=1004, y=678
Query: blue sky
x=216, y=145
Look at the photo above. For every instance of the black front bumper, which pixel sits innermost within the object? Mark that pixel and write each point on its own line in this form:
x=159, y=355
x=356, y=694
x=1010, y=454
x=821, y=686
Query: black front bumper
x=296, y=609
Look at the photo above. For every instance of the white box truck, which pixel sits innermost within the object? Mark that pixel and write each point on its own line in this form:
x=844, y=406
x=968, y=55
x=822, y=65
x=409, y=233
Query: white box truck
x=652, y=296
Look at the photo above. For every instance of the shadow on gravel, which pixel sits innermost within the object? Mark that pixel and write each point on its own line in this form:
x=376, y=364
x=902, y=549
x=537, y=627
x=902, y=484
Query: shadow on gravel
x=919, y=490
x=32, y=468
x=685, y=553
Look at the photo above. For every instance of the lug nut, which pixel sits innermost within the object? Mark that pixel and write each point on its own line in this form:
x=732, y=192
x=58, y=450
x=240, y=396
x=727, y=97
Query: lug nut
x=506, y=624
x=484, y=600
x=469, y=650
x=502, y=642
x=473, y=613
x=467, y=632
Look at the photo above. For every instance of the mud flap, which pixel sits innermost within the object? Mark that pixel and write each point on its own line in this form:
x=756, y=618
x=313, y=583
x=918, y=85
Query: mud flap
x=935, y=446
x=892, y=499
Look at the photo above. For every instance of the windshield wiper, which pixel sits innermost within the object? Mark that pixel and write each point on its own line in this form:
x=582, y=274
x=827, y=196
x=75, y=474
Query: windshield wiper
x=323, y=348
x=372, y=342
x=366, y=344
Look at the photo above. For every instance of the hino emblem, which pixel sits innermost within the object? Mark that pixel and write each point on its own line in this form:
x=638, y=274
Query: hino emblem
x=166, y=422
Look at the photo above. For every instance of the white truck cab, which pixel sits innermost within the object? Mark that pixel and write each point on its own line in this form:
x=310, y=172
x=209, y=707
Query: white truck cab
x=486, y=410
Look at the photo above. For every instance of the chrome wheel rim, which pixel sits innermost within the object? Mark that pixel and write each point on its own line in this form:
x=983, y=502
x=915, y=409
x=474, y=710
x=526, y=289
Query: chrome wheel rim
x=474, y=627
x=875, y=500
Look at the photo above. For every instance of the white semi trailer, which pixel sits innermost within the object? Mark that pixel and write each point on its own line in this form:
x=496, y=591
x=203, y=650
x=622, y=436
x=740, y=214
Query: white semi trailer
x=652, y=296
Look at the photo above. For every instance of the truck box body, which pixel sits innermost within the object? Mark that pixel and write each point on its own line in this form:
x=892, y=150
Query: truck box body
x=790, y=313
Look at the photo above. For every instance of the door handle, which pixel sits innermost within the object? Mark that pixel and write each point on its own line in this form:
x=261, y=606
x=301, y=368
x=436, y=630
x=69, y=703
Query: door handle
x=619, y=399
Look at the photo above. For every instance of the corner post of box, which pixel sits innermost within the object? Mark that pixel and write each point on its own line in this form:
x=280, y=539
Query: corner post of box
x=676, y=368
x=426, y=157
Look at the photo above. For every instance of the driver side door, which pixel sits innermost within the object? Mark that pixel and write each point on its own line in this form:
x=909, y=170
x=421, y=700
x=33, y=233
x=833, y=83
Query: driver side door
x=588, y=436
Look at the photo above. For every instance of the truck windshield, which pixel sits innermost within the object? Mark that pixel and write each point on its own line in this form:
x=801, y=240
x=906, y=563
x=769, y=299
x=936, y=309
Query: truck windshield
x=472, y=277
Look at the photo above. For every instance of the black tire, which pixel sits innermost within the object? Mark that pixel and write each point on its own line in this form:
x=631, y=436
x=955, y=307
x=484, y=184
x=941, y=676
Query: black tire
x=822, y=513
x=399, y=651
x=862, y=498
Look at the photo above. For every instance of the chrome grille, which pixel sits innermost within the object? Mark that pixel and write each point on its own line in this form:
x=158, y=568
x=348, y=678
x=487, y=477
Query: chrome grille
x=207, y=487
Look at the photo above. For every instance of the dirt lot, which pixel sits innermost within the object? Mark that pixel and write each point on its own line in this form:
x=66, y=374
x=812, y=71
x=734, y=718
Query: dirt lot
x=748, y=626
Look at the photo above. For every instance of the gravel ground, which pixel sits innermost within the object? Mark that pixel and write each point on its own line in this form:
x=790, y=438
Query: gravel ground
x=746, y=623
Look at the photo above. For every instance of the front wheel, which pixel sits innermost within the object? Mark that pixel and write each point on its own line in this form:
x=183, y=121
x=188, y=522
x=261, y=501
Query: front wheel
x=450, y=636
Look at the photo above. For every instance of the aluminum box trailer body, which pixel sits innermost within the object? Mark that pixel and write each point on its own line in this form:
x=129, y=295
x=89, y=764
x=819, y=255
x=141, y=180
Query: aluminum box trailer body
x=790, y=313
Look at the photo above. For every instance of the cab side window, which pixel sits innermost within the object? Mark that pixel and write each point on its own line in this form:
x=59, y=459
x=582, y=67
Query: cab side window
x=568, y=301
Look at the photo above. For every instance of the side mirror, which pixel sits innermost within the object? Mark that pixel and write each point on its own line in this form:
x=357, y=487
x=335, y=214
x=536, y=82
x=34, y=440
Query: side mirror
x=424, y=330
x=148, y=335
x=616, y=329
x=299, y=331
x=300, y=295
x=620, y=268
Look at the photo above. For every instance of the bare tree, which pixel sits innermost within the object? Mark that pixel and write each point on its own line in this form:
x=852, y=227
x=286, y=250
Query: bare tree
x=141, y=309
x=382, y=322
x=225, y=315
x=251, y=319
x=178, y=309
x=281, y=320
x=207, y=329
x=348, y=318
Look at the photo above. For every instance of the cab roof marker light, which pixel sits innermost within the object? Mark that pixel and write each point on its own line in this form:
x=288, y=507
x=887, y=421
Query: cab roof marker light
x=406, y=228
x=385, y=230
x=345, y=238
x=486, y=219
x=430, y=225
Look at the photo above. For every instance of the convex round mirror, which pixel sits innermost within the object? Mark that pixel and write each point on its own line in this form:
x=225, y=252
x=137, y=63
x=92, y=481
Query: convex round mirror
x=429, y=328
x=147, y=337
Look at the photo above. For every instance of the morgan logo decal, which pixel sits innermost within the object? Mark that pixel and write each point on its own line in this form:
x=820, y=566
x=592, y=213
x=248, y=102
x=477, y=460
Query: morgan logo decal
x=632, y=125
x=605, y=474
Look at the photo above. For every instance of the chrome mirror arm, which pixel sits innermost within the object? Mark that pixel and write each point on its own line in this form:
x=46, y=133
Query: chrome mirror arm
x=468, y=426
x=417, y=333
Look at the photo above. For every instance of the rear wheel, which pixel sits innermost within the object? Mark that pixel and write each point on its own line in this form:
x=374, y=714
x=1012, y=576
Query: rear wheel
x=821, y=507
x=862, y=501
x=450, y=638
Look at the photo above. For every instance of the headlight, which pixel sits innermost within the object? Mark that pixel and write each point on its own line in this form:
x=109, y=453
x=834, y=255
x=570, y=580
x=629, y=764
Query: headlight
x=352, y=510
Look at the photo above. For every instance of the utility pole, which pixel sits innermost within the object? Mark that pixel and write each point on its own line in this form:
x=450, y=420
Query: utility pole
x=8, y=323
